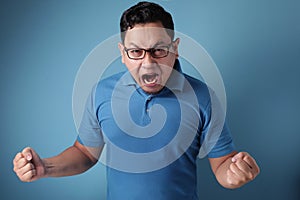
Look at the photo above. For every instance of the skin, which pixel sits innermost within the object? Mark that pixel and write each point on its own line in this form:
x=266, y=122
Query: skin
x=232, y=171
x=76, y=159
x=148, y=36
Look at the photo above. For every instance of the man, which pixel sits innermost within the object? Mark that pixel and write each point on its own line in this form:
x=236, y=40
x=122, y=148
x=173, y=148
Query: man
x=154, y=77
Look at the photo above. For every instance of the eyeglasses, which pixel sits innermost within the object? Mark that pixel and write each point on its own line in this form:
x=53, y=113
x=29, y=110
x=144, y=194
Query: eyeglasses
x=139, y=53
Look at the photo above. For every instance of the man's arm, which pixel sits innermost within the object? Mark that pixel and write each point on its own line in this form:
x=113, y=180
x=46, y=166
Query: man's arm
x=234, y=170
x=76, y=159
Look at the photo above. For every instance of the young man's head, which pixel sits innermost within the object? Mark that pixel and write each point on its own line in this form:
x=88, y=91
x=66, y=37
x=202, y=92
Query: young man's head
x=148, y=48
x=146, y=12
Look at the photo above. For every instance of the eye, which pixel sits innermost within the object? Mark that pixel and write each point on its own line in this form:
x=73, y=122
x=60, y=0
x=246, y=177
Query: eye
x=160, y=51
x=135, y=52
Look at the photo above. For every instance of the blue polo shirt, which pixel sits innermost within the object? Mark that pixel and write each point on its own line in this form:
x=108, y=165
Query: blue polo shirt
x=151, y=140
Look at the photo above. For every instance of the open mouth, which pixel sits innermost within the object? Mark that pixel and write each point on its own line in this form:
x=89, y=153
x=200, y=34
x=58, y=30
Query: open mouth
x=150, y=79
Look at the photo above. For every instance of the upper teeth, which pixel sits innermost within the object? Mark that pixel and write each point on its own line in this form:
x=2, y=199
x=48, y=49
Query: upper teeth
x=150, y=79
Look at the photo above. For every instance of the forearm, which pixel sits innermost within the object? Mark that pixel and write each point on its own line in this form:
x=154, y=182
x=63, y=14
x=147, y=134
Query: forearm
x=72, y=161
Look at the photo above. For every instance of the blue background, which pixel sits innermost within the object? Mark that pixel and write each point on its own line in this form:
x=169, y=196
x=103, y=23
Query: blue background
x=255, y=44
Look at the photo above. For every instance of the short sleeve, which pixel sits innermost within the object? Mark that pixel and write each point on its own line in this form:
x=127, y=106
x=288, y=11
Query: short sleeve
x=89, y=131
x=216, y=139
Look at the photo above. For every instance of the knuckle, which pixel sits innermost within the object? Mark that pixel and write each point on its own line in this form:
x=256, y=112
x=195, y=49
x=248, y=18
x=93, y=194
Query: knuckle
x=31, y=166
x=229, y=181
x=239, y=181
x=15, y=169
x=236, y=180
x=233, y=181
x=20, y=163
x=239, y=162
x=19, y=172
x=27, y=177
x=240, y=154
x=232, y=166
x=16, y=158
x=247, y=157
x=24, y=179
x=28, y=166
x=244, y=179
x=251, y=176
x=257, y=170
x=20, y=176
x=26, y=149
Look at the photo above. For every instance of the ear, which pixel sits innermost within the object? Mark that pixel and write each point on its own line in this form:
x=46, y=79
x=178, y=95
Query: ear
x=122, y=51
x=175, y=46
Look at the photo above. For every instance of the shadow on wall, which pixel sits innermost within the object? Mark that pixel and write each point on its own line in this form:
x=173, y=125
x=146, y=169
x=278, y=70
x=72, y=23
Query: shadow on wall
x=297, y=187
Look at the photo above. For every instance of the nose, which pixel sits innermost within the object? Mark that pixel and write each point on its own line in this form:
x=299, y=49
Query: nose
x=148, y=59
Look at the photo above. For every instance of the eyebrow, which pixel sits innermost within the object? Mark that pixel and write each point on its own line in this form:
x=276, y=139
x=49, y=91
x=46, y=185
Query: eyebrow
x=155, y=45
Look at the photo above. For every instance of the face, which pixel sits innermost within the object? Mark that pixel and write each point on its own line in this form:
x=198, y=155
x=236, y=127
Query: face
x=150, y=73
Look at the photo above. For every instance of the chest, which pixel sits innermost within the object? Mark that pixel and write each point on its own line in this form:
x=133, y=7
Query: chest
x=144, y=123
x=140, y=123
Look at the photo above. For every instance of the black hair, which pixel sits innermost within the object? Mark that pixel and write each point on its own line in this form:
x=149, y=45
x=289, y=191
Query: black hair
x=146, y=12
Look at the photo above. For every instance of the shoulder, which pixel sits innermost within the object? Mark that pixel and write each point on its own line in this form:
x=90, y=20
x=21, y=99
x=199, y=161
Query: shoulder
x=195, y=83
x=104, y=88
x=108, y=83
x=110, y=80
x=200, y=89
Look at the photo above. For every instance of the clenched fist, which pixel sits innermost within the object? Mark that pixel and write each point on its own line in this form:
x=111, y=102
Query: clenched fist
x=234, y=170
x=242, y=169
x=28, y=165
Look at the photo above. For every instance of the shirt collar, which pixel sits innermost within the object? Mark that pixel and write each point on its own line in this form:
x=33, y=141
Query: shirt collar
x=175, y=82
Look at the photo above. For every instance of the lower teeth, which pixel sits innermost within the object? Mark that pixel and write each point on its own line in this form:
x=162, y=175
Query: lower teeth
x=149, y=82
x=148, y=79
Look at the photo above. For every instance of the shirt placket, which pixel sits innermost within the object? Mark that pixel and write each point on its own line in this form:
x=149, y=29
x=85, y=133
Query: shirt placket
x=147, y=105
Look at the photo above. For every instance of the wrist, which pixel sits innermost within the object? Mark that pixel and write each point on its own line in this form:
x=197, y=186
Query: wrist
x=47, y=168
